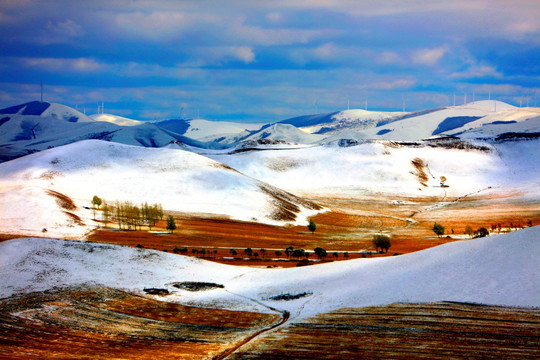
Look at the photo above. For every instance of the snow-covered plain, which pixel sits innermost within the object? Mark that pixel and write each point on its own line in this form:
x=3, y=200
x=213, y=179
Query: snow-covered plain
x=498, y=270
x=179, y=180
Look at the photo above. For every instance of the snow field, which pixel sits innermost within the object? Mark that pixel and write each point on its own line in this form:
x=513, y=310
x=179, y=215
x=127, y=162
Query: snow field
x=498, y=270
x=179, y=180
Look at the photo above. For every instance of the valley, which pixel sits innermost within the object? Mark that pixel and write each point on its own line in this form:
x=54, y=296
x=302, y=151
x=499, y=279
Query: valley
x=230, y=279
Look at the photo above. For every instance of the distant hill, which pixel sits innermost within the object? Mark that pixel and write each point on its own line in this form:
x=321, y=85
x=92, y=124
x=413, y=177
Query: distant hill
x=36, y=126
x=331, y=123
x=283, y=132
x=222, y=132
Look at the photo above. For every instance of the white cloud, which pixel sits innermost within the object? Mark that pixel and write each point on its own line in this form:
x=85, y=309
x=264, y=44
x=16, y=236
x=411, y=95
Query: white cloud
x=394, y=84
x=244, y=53
x=429, y=57
x=477, y=71
x=274, y=17
x=389, y=57
x=161, y=25
x=328, y=50
x=63, y=64
x=67, y=28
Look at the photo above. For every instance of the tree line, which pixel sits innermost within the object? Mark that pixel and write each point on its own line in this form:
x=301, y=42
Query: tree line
x=129, y=215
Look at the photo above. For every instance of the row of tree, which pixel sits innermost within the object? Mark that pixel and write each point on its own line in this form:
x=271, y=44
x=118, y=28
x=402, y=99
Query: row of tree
x=288, y=252
x=128, y=215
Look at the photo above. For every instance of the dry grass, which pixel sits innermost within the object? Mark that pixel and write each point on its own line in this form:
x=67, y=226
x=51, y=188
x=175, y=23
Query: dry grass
x=62, y=200
x=348, y=227
x=105, y=323
x=420, y=171
x=406, y=331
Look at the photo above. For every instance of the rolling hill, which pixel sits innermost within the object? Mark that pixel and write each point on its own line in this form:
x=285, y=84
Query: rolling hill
x=50, y=189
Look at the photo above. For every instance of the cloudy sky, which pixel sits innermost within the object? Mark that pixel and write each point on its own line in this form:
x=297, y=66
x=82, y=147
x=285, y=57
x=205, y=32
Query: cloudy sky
x=267, y=60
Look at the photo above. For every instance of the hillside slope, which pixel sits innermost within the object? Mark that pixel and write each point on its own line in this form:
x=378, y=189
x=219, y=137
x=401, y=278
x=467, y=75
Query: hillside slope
x=49, y=189
x=498, y=270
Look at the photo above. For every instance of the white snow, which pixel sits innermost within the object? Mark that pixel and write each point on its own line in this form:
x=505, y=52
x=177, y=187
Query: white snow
x=423, y=126
x=498, y=270
x=115, y=119
x=357, y=119
x=285, y=132
x=62, y=112
x=375, y=167
x=179, y=180
x=206, y=130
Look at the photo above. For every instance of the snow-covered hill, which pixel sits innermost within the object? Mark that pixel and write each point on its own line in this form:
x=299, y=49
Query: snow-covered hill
x=436, y=122
x=36, y=126
x=223, y=132
x=45, y=109
x=283, y=132
x=498, y=270
x=332, y=123
x=179, y=180
x=354, y=169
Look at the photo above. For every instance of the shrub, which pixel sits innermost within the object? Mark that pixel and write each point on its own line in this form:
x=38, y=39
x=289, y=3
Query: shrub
x=311, y=226
x=381, y=241
x=438, y=229
x=482, y=232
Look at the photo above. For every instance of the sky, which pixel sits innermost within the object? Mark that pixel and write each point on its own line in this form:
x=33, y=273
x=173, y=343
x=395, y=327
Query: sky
x=265, y=61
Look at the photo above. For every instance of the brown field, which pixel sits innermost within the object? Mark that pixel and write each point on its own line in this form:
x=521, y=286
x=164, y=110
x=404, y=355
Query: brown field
x=347, y=227
x=406, y=331
x=105, y=323
x=89, y=323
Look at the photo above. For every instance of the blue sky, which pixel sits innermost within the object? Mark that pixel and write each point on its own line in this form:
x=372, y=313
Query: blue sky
x=265, y=61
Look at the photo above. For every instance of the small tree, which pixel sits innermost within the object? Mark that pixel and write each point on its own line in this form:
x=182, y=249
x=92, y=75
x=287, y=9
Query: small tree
x=482, y=232
x=249, y=251
x=311, y=226
x=159, y=211
x=288, y=251
x=106, y=213
x=442, y=179
x=278, y=253
x=233, y=252
x=320, y=252
x=298, y=253
x=171, y=224
x=469, y=231
x=381, y=241
x=96, y=203
x=438, y=229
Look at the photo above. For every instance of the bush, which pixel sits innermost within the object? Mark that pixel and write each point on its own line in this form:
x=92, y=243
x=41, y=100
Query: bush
x=438, y=229
x=311, y=226
x=320, y=252
x=381, y=241
x=482, y=232
x=171, y=224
